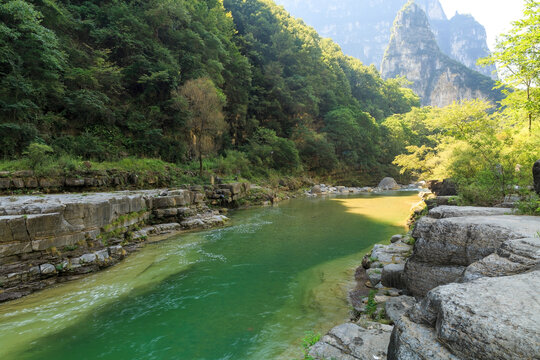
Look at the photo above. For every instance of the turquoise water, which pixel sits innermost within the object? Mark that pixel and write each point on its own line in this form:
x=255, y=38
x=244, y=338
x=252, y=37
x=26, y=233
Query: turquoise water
x=247, y=291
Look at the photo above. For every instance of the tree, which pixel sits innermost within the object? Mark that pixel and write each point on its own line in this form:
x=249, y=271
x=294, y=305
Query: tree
x=206, y=122
x=518, y=56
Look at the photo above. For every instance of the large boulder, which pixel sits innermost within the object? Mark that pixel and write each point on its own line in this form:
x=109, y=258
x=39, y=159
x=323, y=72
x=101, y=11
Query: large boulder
x=388, y=183
x=353, y=342
x=420, y=277
x=536, y=176
x=464, y=240
x=489, y=318
x=445, y=247
x=442, y=188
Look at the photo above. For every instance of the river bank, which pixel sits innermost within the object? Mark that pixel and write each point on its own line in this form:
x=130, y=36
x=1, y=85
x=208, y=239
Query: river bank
x=46, y=239
x=445, y=295
x=248, y=290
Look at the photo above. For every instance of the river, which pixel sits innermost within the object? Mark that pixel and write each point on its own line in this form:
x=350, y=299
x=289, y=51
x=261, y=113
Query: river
x=248, y=291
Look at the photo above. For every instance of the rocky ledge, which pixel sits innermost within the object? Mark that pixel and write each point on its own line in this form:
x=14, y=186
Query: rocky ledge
x=474, y=275
x=46, y=239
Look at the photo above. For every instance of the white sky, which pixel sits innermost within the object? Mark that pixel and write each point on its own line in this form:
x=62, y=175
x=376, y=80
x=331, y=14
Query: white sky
x=495, y=15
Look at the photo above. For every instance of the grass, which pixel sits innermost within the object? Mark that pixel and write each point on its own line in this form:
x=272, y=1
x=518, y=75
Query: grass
x=371, y=306
x=310, y=339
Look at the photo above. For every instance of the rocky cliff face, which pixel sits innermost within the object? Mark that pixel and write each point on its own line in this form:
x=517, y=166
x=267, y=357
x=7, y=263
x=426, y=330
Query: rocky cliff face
x=413, y=52
x=363, y=27
x=463, y=39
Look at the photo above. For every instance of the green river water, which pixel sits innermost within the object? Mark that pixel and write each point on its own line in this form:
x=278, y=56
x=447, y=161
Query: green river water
x=248, y=291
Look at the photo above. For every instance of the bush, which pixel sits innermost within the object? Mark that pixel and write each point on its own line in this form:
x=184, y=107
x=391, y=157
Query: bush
x=529, y=206
x=39, y=156
x=234, y=163
x=14, y=138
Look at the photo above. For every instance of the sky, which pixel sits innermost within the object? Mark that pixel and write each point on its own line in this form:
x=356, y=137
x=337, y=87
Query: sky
x=495, y=15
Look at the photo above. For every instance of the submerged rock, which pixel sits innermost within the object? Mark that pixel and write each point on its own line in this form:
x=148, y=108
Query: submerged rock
x=353, y=342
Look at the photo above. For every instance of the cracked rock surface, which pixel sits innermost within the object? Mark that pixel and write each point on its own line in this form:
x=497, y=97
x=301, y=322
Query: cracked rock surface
x=353, y=342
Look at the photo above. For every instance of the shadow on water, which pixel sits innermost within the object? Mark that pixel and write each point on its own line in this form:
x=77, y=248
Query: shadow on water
x=247, y=291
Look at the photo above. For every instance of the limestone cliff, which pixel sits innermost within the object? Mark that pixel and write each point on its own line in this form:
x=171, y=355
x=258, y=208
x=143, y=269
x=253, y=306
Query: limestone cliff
x=362, y=28
x=463, y=39
x=413, y=52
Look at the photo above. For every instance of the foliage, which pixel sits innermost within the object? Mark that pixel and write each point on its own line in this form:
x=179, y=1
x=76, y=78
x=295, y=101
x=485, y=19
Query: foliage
x=530, y=205
x=108, y=80
x=38, y=155
x=310, y=339
x=486, y=154
x=371, y=306
x=518, y=59
x=206, y=123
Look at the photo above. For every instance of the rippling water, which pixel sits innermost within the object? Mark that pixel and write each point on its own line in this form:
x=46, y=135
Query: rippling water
x=248, y=291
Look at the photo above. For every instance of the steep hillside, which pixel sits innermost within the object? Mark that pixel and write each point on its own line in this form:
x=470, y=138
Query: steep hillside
x=107, y=79
x=438, y=80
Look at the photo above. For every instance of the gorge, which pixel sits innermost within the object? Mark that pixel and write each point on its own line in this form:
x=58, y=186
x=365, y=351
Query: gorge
x=248, y=290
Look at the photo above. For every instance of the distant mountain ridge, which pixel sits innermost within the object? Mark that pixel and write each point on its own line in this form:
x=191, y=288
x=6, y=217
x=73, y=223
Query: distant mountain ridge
x=362, y=28
x=413, y=53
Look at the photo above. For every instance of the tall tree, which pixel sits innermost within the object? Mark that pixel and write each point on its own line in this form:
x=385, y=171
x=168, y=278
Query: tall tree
x=518, y=57
x=206, y=122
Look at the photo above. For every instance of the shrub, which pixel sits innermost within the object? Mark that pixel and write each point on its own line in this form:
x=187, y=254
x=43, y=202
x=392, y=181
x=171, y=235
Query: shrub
x=234, y=163
x=39, y=156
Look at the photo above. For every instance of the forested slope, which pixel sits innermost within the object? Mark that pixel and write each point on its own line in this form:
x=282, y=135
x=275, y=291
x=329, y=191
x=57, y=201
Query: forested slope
x=105, y=79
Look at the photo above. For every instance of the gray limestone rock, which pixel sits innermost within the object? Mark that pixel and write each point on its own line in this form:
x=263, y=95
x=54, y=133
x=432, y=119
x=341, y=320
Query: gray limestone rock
x=393, y=253
x=464, y=240
x=47, y=269
x=411, y=341
x=392, y=276
x=87, y=259
x=388, y=183
x=396, y=307
x=421, y=277
x=446, y=211
x=485, y=319
x=353, y=342
x=374, y=276
x=513, y=257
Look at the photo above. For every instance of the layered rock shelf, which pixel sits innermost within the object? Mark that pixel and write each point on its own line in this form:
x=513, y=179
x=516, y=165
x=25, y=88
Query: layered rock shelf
x=469, y=289
x=46, y=239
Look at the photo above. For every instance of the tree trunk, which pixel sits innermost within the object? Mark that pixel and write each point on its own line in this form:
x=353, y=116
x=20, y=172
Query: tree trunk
x=200, y=164
x=530, y=113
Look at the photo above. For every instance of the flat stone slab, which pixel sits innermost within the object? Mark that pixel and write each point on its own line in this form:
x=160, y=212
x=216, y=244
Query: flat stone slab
x=446, y=211
x=353, y=342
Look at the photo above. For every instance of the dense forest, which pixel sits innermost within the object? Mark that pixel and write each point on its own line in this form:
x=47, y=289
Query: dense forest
x=103, y=80
x=241, y=89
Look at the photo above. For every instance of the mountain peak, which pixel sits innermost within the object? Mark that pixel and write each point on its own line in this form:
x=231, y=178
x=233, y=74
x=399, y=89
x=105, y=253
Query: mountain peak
x=438, y=80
